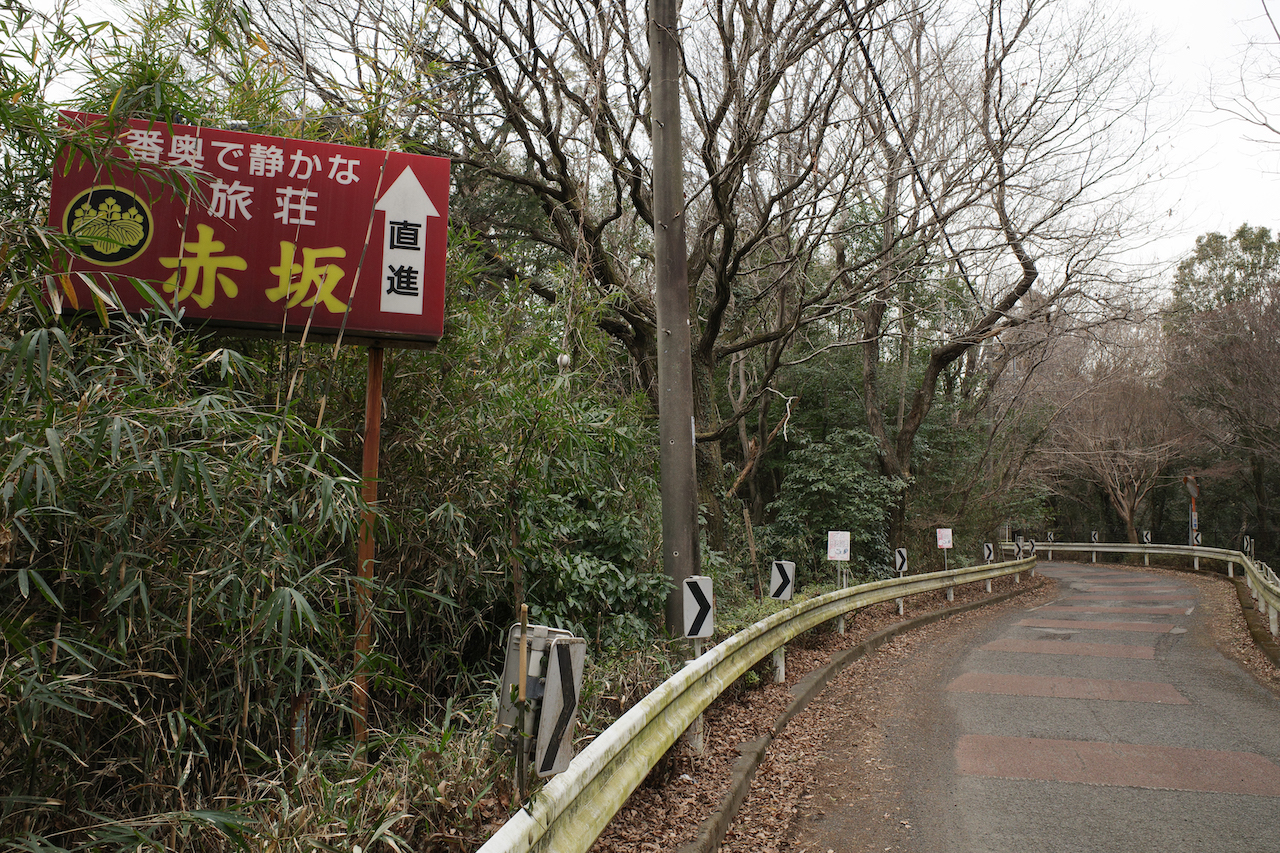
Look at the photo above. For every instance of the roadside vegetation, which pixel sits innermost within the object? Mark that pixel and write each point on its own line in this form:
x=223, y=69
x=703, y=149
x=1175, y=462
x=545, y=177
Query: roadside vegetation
x=179, y=508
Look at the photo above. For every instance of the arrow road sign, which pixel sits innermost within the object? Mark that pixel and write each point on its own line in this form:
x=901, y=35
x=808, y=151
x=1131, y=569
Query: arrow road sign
x=404, y=248
x=1195, y=538
x=511, y=722
x=988, y=552
x=1093, y=537
x=698, y=621
x=900, y=561
x=1247, y=546
x=1146, y=537
x=1048, y=536
x=782, y=581
x=560, y=705
x=1031, y=547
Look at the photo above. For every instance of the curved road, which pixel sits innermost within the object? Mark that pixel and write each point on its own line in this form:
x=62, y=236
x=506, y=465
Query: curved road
x=1103, y=720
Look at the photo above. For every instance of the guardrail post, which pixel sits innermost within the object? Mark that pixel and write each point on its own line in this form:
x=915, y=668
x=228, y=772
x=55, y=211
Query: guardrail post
x=988, y=586
x=901, y=606
x=840, y=624
x=1017, y=577
x=951, y=593
x=575, y=806
x=1146, y=558
x=1275, y=620
x=779, y=664
x=693, y=735
x=1231, y=569
x=1093, y=556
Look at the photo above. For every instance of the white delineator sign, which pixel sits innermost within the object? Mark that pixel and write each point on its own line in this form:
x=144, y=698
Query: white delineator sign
x=838, y=545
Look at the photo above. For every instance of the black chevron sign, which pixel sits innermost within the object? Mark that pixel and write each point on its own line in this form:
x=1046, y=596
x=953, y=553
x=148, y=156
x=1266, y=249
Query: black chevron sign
x=568, y=706
x=553, y=751
x=697, y=587
x=782, y=578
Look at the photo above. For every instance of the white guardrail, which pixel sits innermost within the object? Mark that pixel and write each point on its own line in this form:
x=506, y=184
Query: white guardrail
x=1262, y=580
x=573, y=808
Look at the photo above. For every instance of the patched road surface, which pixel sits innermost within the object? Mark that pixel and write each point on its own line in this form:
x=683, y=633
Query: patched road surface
x=1104, y=720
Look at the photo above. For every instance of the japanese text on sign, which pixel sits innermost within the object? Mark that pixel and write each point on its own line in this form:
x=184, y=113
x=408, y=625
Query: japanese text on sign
x=275, y=233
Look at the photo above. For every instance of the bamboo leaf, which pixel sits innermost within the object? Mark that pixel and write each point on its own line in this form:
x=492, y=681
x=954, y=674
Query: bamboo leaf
x=55, y=451
x=45, y=589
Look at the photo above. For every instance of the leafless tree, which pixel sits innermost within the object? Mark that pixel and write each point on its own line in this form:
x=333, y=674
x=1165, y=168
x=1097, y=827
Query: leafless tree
x=1116, y=423
x=841, y=160
x=1123, y=438
x=1002, y=167
x=1248, y=96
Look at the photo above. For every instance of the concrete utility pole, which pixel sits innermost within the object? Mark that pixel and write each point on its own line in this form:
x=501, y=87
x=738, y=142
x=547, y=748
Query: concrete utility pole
x=675, y=363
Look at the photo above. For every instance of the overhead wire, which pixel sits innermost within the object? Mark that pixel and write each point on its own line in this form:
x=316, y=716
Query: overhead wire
x=911, y=157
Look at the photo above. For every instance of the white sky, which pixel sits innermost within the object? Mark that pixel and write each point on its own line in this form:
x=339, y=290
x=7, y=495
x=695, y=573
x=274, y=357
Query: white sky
x=1218, y=171
x=1222, y=172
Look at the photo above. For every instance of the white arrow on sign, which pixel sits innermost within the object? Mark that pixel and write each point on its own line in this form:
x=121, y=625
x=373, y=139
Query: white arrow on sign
x=404, y=243
x=900, y=561
x=698, y=621
x=782, y=580
x=565, y=659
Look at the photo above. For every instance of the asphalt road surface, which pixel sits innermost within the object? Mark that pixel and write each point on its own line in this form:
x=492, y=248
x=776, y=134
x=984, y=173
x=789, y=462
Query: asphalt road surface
x=1103, y=720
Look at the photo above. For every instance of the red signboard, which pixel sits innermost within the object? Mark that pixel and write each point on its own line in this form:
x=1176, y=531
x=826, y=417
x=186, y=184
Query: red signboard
x=276, y=235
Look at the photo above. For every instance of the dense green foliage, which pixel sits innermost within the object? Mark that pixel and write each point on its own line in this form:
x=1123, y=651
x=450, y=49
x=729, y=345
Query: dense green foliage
x=179, y=509
x=828, y=486
x=175, y=582
x=181, y=516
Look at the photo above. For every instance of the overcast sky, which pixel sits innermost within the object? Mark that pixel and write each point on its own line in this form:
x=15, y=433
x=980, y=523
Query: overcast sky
x=1218, y=177
x=1217, y=171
